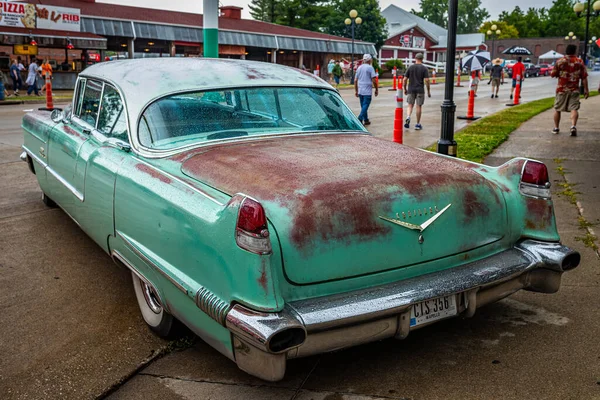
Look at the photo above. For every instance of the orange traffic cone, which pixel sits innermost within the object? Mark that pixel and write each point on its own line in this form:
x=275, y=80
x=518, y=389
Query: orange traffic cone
x=49, y=101
x=517, y=93
x=399, y=114
x=471, y=105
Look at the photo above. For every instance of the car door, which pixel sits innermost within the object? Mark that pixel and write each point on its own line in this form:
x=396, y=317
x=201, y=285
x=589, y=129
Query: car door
x=97, y=166
x=65, y=143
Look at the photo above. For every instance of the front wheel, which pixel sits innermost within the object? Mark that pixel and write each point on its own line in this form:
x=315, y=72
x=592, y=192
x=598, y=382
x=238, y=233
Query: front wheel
x=537, y=74
x=48, y=201
x=526, y=74
x=157, y=318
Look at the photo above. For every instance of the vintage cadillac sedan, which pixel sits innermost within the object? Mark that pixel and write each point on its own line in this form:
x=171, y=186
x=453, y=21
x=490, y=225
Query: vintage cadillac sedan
x=250, y=204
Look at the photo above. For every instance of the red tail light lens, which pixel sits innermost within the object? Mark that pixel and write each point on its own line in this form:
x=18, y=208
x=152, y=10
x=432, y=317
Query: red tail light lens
x=535, y=173
x=534, y=180
x=252, y=233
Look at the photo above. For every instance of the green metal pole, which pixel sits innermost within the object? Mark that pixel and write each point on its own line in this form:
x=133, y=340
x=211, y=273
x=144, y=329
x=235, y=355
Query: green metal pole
x=210, y=28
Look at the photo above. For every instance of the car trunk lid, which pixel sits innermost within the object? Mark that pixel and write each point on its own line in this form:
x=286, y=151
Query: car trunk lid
x=351, y=205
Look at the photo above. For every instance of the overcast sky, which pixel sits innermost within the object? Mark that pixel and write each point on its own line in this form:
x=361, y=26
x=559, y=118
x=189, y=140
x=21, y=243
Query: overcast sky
x=494, y=7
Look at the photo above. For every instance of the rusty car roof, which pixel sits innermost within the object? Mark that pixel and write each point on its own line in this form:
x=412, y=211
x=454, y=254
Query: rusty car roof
x=144, y=80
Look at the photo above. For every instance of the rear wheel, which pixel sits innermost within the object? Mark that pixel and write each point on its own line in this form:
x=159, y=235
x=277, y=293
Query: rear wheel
x=157, y=318
x=48, y=201
x=537, y=74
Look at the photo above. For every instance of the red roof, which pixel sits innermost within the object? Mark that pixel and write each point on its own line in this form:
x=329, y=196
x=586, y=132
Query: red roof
x=50, y=32
x=101, y=10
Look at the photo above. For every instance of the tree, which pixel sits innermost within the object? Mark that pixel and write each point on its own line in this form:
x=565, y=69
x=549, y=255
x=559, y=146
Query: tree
x=470, y=14
x=264, y=10
x=562, y=19
x=372, y=28
x=303, y=14
x=434, y=11
x=531, y=24
x=506, y=31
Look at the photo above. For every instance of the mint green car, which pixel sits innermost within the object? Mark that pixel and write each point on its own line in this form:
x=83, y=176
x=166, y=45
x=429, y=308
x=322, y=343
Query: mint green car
x=251, y=205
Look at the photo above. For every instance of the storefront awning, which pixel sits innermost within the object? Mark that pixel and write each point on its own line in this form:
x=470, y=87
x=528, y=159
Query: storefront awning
x=51, y=38
x=144, y=30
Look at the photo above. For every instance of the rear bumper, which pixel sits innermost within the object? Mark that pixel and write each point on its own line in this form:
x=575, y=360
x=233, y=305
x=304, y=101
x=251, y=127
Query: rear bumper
x=263, y=341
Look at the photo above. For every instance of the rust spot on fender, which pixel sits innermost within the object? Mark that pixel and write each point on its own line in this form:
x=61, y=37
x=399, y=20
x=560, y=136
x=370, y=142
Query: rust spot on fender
x=153, y=173
x=540, y=214
x=263, y=280
x=473, y=207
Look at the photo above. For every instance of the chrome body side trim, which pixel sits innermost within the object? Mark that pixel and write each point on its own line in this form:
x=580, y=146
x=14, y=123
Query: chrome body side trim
x=362, y=316
x=55, y=174
x=151, y=263
x=212, y=305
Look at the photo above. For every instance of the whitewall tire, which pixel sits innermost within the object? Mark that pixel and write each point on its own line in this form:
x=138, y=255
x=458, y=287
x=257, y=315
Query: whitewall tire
x=157, y=318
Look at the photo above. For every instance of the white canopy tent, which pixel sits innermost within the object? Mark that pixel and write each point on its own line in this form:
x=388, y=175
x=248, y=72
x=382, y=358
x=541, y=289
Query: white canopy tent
x=551, y=55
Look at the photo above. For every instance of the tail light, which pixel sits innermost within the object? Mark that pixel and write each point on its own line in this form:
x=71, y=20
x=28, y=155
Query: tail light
x=251, y=232
x=534, y=180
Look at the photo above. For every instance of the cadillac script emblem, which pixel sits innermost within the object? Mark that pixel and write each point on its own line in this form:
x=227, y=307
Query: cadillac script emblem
x=414, y=213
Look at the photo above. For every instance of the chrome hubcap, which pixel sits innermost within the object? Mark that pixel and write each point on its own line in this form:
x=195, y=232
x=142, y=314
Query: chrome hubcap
x=151, y=298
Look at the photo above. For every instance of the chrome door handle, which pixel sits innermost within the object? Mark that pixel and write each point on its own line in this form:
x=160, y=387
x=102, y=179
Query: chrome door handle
x=42, y=152
x=119, y=144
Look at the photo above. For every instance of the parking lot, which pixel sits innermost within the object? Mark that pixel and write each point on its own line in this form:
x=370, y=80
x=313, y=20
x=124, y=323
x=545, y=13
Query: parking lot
x=71, y=329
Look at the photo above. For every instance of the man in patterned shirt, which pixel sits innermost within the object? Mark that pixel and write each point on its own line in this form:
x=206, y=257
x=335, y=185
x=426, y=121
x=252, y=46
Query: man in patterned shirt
x=569, y=70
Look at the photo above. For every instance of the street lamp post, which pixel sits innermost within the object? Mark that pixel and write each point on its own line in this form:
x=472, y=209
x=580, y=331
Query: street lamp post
x=494, y=32
x=352, y=22
x=591, y=42
x=447, y=144
x=578, y=8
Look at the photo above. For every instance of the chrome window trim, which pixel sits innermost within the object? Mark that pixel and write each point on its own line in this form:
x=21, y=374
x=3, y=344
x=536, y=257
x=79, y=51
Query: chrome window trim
x=153, y=153
x=132, y=142
x=49, y=169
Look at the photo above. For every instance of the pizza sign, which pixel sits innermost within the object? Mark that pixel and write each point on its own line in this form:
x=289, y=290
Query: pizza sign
x=31, y=16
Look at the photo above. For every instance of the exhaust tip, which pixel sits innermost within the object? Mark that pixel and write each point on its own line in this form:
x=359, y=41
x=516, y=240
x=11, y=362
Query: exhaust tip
x=287, y=339
x=571, y=261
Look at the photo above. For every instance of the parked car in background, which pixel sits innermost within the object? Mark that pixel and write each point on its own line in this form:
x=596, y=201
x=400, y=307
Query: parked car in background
x=545, y=69
x=530, y=69
x=596, y=66
x=250, y=204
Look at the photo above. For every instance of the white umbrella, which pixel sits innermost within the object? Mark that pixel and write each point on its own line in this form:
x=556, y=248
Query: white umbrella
x=476, y=60
x=551, y=55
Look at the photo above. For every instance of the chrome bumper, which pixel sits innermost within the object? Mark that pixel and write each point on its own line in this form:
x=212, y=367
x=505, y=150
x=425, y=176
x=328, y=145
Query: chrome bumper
x=263, y=341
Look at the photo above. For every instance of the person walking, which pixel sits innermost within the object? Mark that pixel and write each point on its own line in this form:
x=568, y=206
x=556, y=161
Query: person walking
x=496, y=76
x=31, y=78
x=365, y=80
x=15, y=76
x=517, y=70
x=46, y=70
x=569, y=70
x=330, y=70
x=417, y=77
x=337, y=73
x=21, y=69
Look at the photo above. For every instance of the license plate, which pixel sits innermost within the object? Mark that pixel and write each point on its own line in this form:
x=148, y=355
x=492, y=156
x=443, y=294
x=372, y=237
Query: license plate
x=432, y=310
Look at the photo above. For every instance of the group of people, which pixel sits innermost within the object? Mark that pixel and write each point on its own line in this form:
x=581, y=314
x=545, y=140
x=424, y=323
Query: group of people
x=35, y=76
x=570, y=71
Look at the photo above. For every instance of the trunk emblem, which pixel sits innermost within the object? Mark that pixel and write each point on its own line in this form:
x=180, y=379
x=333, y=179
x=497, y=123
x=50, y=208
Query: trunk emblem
x=416, y=227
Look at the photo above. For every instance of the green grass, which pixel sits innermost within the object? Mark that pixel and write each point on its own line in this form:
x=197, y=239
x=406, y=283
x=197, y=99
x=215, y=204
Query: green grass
x=481, y=138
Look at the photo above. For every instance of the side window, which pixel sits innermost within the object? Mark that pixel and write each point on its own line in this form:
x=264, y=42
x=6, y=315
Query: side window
x=111, y=121
x=79, y=97
x=90, y=102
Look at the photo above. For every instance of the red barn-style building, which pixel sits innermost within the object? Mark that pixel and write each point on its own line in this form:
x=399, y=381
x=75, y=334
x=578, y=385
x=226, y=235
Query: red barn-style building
x=410, y=34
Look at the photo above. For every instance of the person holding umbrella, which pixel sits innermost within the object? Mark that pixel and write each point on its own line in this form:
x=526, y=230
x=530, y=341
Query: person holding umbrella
x=475, y=61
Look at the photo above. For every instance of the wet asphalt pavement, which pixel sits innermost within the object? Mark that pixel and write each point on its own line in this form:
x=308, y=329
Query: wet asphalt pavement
x=71, y=329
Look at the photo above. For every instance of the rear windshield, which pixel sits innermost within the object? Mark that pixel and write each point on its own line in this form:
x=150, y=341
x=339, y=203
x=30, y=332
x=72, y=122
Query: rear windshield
x=184, y=119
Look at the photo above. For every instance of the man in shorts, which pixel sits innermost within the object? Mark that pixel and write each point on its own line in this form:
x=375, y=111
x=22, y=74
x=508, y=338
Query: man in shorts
x=569, y=70
x=496, y=76
x=414, y=82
